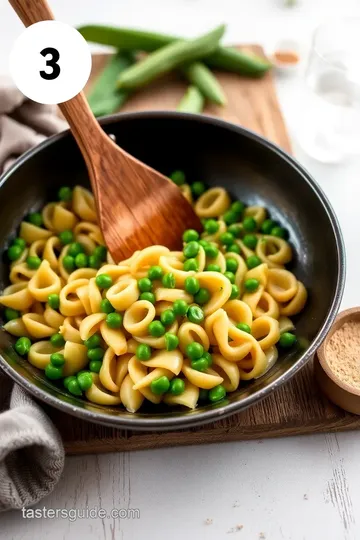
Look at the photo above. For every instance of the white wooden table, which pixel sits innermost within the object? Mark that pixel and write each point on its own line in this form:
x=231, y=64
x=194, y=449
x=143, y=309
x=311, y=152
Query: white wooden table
x=294, y=489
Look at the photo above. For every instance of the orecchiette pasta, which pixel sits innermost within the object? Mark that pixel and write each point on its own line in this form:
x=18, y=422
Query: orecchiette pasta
x=176, y=327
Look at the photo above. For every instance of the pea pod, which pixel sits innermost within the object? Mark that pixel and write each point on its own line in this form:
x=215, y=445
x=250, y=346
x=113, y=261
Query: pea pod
x=192, y=101
x=105, y=98
x=169, y=57
x=201, y=76
x=230, y=59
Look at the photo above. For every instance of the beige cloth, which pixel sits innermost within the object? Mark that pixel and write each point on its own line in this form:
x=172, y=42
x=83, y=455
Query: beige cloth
x=31, y=450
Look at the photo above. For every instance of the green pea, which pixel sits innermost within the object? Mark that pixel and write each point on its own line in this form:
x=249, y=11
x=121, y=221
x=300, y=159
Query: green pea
x=195, y=314
x=208, y=357
x=74, y=387
x=230, y=217
x=94, y=262
x=114, y=320
x=167, y=317
x=211, y=251
x=251, y=285
x=74, y=249
x=202, y=296
x=192, y=285
x=14, y=252
x=95, y=365
x=234, y=248
x=287, y=340
x=143, y=352
x=33, y=262
x=244, y=327
x=53, y=372
x=180, y=307
x=231, y=265
x=95, y=354
x=22, y=346
x=203, y=243
x=85, y=380
x=57, y=340
x=217, y=393
x=93, y=341
x=68, y=379
x=267, y=226
x=106, y=307
x=145, y=284
x=178, y=177
x=200, y=365
x=230, y=276
x=250, y=241
x=226, y=238
x=156, y=329
x=279, y=232
x=11, y=314
x=171, y=341
x=194, y=350
x=65, y=194
x=160, y=385
x=211, y=226
x=238, y=207
x=191, y=250
x=149, y=296
x=19, y=242
x=54, y=301
x=203, y=394
x=235, y=292
x=57, y=359
x=103, y=281
x=198, y=188
x=235, y=229
x=177, y=386
x=253, y=261
x=213, y=268
x=35, y=218
x=155, y=272
x=191, y=265
x=69, y=263
x=168, y=281
x=100, y=252
x=249, y=224
x=190, y=235
x=66, y=237
x=81, y=260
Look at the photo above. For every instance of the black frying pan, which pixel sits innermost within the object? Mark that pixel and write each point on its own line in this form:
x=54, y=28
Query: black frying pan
x=217, y=153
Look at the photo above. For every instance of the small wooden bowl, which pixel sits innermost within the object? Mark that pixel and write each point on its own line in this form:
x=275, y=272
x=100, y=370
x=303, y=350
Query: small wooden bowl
x=340, y=393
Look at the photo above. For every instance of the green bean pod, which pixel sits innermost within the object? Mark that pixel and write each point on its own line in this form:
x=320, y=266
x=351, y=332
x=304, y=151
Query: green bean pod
x=105, y=97
x=169, y=57
x=201, y=77
x=192, y=101
x=227, y=58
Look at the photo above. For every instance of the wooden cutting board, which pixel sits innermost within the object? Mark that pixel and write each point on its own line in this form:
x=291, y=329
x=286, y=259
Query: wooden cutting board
x=295, y=408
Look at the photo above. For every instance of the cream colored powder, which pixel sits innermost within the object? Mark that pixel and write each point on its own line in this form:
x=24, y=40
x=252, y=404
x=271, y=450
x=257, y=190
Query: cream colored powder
x=343, y=353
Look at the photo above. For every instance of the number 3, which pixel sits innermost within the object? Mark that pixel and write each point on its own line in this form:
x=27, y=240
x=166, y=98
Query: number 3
x=55, y=56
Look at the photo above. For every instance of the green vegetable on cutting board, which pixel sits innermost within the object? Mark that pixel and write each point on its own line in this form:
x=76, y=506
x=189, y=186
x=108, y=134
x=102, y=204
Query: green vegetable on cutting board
x=105, y=97
x=227, y=58
x=205, y=81
x=168, y=58
x=192, y=101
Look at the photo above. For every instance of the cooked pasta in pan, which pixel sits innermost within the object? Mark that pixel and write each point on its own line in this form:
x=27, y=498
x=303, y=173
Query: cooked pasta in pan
x=178, y=327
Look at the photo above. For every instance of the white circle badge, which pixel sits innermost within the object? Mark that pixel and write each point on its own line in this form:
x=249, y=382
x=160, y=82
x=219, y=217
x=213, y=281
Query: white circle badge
x=50, y=62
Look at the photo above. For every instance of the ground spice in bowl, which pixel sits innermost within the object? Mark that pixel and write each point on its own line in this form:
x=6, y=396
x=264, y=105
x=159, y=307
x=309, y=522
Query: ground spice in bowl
x=343, y=353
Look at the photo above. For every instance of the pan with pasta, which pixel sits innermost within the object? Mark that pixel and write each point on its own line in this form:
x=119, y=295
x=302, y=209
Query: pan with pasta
x=181, y=328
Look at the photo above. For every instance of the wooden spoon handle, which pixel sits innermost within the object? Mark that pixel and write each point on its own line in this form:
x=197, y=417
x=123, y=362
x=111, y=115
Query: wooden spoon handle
x=77, y=112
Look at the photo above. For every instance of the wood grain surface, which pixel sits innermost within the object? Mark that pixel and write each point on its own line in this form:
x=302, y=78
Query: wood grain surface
x=297, y=407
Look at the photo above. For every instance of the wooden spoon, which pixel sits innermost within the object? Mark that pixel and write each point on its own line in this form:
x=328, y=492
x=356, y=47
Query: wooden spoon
x=137, y=206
